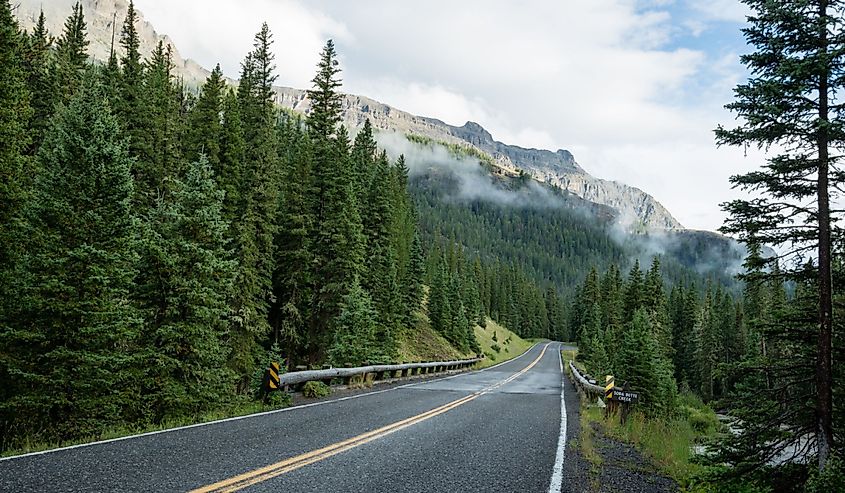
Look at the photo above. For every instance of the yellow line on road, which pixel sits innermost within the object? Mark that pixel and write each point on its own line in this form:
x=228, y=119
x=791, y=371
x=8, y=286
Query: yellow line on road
x=273, y=470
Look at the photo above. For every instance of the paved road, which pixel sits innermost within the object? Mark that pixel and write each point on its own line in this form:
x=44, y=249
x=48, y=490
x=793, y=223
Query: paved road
x=491, y=430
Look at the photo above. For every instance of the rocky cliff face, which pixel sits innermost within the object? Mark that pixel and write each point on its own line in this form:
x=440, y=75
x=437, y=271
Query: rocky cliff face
x=636, y=208
x=103, y=18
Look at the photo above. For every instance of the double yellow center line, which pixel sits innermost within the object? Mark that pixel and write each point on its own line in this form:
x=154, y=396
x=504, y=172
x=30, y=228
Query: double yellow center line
x=244, y=480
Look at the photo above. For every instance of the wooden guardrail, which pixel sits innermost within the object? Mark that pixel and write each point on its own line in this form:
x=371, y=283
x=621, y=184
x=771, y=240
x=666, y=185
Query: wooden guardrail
x=381, y=372
x=613, y=399
x=585, y=383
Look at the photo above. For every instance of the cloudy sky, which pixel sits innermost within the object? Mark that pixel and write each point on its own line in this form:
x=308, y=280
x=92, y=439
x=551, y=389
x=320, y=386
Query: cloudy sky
x=633, y=88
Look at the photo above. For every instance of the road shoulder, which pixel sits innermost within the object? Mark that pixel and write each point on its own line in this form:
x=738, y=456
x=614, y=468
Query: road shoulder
x=598, y=463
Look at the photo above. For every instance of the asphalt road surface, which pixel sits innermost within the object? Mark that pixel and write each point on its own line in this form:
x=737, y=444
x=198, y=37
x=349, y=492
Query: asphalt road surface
x=494, y=430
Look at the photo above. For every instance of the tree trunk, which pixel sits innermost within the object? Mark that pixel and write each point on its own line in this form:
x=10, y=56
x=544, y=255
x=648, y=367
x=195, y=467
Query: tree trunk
x=824, y=374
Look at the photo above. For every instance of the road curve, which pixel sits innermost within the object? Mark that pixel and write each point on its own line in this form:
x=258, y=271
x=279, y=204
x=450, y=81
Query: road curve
x=497, y=429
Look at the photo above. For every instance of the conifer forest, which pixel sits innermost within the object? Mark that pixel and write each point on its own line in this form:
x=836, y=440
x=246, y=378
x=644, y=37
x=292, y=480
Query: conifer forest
x=161, y=244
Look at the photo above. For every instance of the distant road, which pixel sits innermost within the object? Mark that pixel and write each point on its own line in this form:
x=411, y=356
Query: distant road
x=494, y=430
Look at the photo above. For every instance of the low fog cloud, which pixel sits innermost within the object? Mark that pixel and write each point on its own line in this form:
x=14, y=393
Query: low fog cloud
x=474, y=182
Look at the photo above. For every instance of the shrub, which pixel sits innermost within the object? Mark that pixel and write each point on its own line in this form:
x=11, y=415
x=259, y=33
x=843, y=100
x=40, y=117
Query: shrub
x=278, y=399
x=831, y=479
x=315, y=389
x=496, y=347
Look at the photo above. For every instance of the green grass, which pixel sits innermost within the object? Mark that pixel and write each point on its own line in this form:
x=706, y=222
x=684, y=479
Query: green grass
x=315, y=389
x=457, y=150
x=569, y=355
x=667, y=441
x=510, y=344
x=424, y=344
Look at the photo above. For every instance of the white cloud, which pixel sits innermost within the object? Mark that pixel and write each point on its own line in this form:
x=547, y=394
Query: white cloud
x=721, y=10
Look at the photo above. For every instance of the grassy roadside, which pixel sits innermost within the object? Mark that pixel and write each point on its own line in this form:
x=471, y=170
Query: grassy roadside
x=427, y=346
x=499, y=344
x=668, y=441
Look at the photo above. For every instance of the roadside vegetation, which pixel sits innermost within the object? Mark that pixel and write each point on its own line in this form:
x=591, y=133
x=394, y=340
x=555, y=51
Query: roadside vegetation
x=499, y=344
x=160, y=246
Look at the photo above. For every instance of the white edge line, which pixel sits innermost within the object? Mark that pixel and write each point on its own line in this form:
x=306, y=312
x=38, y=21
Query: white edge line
x=254, y=415
x=557, y=472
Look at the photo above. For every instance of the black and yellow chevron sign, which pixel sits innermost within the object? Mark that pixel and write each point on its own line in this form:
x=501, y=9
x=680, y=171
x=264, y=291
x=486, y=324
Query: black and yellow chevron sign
x=274, y=382
x=608, y=386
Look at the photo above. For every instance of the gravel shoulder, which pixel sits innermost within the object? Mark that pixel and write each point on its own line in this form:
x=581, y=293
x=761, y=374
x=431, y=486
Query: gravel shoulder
x=615, y=467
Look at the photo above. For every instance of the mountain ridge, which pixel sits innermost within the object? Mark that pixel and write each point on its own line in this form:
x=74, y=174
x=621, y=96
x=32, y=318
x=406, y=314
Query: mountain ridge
x=637, y=209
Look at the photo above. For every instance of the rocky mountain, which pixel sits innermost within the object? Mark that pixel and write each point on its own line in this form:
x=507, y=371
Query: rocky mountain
x=637, y=209
x=104, y=19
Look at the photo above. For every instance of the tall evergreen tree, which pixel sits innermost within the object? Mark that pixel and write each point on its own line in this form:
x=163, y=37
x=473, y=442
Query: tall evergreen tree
x=205, y=126
x=337, y=236
x=325, y=97
x=71, y=53
x=232, y=159
x=189, y=280
x=413, y=285
x=363, y=161
x=40, y=68
x=15, y=170
x=790, y=104
x=255, y=216
x=81, y=265
x=292, y=279
x=380, y=276
x=155, y=134
x=354, y=339
x=128, y=106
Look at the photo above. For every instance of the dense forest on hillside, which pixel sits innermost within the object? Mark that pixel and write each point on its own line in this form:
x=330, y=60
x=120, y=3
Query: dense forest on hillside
x=556, y=237
x=161, y=245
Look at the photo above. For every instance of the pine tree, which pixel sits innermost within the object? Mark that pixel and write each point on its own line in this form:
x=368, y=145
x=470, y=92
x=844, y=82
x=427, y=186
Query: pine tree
x=189, y=277
x=155, y=134
x=413, y=294
x=633, y=292
x=131, y=60
x=80, y=270
x=354, y=338
x=439, y=303
x=71, y=54
x=684, y=319
x=128, y=106
x=380, y=276
x=40, y=68
x=255, y=218
x=363, y=161
x=292, y=282
x=707, y=347
x=15, y=170
x=204, y=121
x=325, y=98
x=612, y=311
x=232, y=160
x=643, y=368
x=337, y=237
x=790, y=105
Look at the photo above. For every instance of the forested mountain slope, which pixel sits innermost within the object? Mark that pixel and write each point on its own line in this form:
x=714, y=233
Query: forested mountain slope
x=636, y=208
